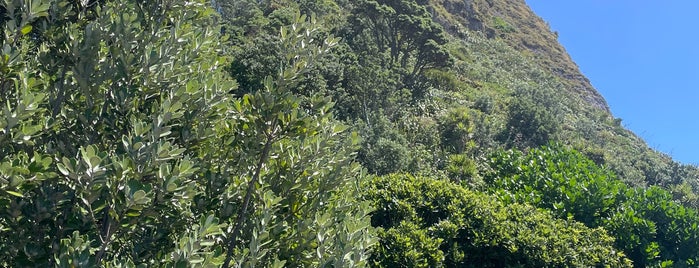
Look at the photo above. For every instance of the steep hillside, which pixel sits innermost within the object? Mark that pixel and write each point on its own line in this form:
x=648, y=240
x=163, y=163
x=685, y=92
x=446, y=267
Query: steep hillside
x=591, y=127
x=507, y=81
x=319, y=133
x=516, y=24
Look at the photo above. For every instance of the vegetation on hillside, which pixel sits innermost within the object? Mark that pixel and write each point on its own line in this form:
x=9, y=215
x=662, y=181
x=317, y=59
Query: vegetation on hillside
x=318, y=133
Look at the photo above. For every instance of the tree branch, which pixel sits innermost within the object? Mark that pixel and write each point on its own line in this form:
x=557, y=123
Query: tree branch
x=242, y=215
x=105, y=236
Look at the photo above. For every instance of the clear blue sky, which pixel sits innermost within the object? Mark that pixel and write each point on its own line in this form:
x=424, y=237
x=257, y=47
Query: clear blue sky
x=643, y=56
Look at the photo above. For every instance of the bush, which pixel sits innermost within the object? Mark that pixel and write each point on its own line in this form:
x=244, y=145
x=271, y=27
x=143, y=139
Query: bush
x=384, y=148
x=558, y=179
x=456, y=130
x=472, y=229
x=652, y=228
x=532, y=118
x=648, y=225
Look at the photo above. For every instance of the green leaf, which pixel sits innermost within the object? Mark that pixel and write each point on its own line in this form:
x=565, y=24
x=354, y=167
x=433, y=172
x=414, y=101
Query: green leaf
x=62, y=169
x=171, y=187
x=17, y=194
x=207, y=242
x=140, y=198
x=26, y=30
x=133, y=213
x=195, y=260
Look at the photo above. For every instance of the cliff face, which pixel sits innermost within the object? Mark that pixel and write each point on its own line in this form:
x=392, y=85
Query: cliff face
x=516, y=24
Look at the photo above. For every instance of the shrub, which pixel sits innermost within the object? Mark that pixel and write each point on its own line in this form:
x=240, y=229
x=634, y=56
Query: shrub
x=555, y=178
x=648, y=225
x=473, y=229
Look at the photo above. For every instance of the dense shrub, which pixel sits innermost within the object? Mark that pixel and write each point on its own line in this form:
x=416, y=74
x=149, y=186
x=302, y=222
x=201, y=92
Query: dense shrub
x=442, y=224
x=649, y=226
x=552, y=177
x=532, y=118
x=653, y=229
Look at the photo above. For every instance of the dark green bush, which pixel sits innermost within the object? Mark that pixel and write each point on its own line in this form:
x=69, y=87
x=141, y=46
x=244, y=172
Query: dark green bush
x=533, y=118
x=649, y=226
x=553, y=177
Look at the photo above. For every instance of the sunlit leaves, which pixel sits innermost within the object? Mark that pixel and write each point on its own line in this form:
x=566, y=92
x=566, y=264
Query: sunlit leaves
x=430, y=223
x=288, y=156
x=112, y=98
x=647, y=224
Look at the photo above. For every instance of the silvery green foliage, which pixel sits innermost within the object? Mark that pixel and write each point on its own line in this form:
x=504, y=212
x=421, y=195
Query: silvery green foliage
x=120, y=145
x=288, y=171
x=109, y=99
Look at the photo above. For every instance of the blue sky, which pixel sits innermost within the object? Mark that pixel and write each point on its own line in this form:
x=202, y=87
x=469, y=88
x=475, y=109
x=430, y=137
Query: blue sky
x=643, y=56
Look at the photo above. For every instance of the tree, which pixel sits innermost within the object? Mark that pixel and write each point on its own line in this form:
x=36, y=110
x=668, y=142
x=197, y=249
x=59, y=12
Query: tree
x=130, y=88
x=290, y=201
x=121, y=145
x=405, y=30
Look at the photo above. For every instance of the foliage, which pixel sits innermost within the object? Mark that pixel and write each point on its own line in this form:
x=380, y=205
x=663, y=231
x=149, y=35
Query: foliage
x=532, y=118
x=648, y=225
x=121, y=146
x=461, y=168
x=427, y=222
x=404, y=29
x=400, y=35
x=112, y=171
x=173, y=133
x=383, y=149
x=456, y=130
x=653, y=229
x=553, y=177
x=292, y=161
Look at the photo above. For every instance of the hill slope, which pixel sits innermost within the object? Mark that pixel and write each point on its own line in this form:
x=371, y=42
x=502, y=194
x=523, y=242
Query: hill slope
x=516, y=24
x=506, y=71
x=317, y=133
x=594, y=130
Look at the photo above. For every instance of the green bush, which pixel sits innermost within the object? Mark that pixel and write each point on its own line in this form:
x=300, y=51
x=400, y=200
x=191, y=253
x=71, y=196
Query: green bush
x=553, y=177
x=461, y=168
x=473, y=229
x=533, y=118
x=456, y=130
x=648, y=225
x=652, y=228
x=384, y=149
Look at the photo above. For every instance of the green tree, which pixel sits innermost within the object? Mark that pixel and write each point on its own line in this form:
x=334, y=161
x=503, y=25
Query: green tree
x=405, y=31
x=290, y=201
x=120, y=145
x=112, y=173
